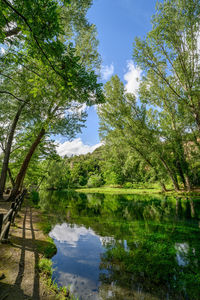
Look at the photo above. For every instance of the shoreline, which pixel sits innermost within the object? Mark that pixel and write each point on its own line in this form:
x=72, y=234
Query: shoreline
x=121, y=191
x=25, y=261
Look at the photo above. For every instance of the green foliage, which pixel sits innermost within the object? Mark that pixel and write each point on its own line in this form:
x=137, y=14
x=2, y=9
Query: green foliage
x=45, y=266
x=34, y=196
x=50, y=249
x=44, y=81
x=45, y=224
x=95, y=181
x=147, y=149
x=128, y=185
x=111, y=178
x=169, y=57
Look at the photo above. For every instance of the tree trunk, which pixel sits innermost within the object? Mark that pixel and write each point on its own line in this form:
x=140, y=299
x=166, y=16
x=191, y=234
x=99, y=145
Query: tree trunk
x=11, y=178
x=197, y=119
x=192, y=207
x=188, y=184
x=163, y=187
x=182, y=165
x=171, y=175
x=180, y=172
x=25, y=164
x=8, y=150
x=21, y=184
x=149, y=164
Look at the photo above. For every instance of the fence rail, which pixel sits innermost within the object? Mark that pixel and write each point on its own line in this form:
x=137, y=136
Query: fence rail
x=7, y=219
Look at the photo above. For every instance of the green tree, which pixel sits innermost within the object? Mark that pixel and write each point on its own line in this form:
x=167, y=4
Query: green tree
x=169, y=57
x=132, y=124
x=95, y=181
x=44, y=57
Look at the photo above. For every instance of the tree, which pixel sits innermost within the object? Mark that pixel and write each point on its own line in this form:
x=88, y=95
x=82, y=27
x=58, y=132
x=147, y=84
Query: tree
x=95, y=181
x=60, y=113
x=121, y=117
x=37, y=52
x=169, y=55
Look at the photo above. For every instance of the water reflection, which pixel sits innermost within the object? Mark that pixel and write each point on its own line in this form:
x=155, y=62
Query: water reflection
x=126, y=246
x=70, y=234
x=78, y=258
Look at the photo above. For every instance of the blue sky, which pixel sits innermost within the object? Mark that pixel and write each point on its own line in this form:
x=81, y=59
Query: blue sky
x=118, y=22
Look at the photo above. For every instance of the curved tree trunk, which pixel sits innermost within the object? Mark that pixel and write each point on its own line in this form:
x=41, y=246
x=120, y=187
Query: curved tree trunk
x=182, y=164
x=144, y=156
x=8, y=150
x=171, y=175
x=180, y=172
x=25, y=164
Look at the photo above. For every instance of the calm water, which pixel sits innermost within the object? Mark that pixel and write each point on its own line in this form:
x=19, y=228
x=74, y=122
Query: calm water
x=126, y=246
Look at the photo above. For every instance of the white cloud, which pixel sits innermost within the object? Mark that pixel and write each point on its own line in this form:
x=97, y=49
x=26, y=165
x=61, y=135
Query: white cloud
x=132, y=77
x=75, y=147
x=107, y=71
x=79, y=285
x=64, y=233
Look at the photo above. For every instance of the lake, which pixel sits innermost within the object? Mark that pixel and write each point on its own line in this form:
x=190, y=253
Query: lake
x=125, y=246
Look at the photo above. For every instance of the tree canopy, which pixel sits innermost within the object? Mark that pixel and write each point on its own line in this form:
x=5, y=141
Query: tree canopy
x=44, y=82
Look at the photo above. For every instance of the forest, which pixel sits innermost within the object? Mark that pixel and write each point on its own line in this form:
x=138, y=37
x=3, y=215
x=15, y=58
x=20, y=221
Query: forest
x=49, y=71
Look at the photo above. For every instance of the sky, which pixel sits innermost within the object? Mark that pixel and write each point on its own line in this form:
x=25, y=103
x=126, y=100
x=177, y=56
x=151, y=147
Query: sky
x=118, y=22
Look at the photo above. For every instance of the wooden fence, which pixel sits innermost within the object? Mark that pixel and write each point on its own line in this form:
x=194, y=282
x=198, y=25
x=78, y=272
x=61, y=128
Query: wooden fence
x=7, y=219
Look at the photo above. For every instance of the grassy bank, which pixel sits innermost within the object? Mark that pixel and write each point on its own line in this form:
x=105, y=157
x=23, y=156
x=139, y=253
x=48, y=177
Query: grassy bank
x=112, y=190
x=153, y=190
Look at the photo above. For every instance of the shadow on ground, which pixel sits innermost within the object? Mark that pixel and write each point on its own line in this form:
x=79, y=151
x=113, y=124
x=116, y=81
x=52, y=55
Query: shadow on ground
x=12, y=292
x=26, y=245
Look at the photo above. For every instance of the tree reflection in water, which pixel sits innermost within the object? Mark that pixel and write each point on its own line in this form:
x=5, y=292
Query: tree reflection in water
x=152, y=245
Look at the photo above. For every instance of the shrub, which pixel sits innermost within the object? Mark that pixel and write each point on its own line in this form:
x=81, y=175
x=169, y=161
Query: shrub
x=128, y=185
x=95, y=181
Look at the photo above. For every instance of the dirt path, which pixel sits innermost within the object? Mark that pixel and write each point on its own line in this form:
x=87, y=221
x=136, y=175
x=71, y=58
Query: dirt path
x=19, y=275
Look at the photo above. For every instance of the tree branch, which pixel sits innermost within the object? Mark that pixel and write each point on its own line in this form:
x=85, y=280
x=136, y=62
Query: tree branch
x=5, y=92
x=12, y=32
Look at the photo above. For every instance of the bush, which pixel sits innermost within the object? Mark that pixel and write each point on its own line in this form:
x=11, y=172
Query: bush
x=128, y=185
x=95, y=181
x=112, y=178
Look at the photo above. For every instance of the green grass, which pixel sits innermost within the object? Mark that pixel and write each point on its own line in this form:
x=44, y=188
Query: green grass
x=47, y=248
x=112, y=190
x=45, y=266
x=45, y=224
x=63, y=292
x=117, y=190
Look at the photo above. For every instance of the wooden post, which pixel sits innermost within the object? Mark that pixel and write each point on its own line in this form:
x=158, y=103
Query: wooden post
x=21, y=199
x=13, y=206
x=1, y=222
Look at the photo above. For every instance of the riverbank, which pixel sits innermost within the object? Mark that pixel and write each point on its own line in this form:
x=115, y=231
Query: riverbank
x=25, y=267
x=139, y=191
